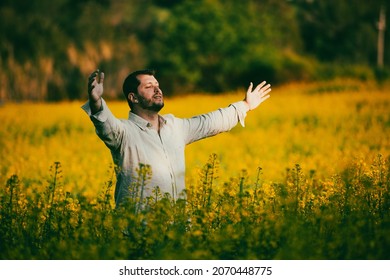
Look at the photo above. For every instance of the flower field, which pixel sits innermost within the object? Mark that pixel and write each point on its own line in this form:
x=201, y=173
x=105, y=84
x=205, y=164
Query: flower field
x=307, y=178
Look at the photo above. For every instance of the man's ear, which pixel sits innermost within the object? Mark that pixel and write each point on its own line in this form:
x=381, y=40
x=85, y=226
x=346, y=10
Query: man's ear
x=131, y=96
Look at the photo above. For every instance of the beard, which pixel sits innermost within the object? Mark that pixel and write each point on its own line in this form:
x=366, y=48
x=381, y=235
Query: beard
x=154, y=104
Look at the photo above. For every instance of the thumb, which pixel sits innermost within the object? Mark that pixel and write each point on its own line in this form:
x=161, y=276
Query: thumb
x=249, y=88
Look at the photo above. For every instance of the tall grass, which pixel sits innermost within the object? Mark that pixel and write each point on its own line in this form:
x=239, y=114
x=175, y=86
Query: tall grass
x=301, y=218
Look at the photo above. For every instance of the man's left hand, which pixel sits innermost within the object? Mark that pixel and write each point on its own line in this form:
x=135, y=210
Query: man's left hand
x=254, y=98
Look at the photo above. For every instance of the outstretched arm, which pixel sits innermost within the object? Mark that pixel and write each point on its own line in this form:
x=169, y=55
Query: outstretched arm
x=254, y=98
x=95, y=90
x=224, y=119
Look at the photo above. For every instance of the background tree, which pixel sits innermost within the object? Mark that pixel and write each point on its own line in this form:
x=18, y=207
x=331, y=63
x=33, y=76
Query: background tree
x=219, y=45
x=343, y=31
x=48, y=48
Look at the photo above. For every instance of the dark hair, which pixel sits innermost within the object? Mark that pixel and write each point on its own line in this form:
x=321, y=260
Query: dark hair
x=131, y=82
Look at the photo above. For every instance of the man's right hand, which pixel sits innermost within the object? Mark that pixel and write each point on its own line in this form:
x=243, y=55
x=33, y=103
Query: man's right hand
x=95, y=90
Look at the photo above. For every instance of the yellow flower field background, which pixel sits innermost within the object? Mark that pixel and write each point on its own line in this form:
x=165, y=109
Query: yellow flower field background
x=314, y=154
x=322, y=127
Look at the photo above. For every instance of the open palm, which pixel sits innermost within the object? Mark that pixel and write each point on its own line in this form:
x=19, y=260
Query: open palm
x=258, y=95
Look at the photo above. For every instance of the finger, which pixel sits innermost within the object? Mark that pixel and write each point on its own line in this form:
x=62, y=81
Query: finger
x=91, y=80
x=265, y=87
x=264, y=93
x=90, y=88
x=91, y=84
x=264, y=98
x=265, y=90
x=250, y=88
x=101, y=77
x=259, y=86
x=93, y=74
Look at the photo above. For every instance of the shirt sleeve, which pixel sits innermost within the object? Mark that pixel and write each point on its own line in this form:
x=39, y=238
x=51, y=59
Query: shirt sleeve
x=109, y=129
x=215, y=122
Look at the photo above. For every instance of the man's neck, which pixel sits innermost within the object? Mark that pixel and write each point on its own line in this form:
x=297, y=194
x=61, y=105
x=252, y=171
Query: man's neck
x=151, y=116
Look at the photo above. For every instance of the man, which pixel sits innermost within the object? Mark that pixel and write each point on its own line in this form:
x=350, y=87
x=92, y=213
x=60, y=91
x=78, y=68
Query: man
x=150, y=140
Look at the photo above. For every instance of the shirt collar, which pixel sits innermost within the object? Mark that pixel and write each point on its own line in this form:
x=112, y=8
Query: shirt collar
x=144, y=124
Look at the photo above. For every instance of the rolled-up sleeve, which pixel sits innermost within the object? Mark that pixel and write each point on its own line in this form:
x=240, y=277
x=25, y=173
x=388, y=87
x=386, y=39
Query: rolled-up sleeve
x=108, y=128
x=100, y=116
x=215, y=122
x=242, y=109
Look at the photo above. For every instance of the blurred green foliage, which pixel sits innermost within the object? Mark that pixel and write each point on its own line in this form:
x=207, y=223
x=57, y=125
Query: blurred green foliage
x=48, y=48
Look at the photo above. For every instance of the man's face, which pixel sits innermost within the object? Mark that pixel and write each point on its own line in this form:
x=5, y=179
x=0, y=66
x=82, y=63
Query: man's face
x=150, y=96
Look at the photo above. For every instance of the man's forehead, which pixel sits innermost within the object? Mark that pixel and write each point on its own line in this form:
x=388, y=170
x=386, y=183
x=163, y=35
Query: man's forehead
x=144, y=79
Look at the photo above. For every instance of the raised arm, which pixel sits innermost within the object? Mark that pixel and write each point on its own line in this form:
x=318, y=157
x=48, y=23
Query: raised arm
x=95, y=90
x=108, y=127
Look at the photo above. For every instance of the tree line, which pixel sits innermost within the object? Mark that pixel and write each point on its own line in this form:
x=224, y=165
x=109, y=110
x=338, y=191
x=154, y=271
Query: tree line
x=48, y=48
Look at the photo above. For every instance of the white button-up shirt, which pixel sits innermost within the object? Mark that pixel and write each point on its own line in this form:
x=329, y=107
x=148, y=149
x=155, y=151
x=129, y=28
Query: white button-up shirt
x=134, y=143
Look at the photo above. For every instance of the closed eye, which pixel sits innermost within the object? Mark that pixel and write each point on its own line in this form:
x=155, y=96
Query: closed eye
x=151, y=85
